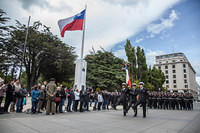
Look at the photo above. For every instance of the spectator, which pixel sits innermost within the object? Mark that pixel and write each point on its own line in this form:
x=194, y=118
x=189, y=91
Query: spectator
x=77, y=98
x=95, y=100
x=51, y=96
x=100, y=100
x=9, y=95
x=42, y=98
x=71, y=97
x=63, y=97
x=15, y=95
x=2, y=90
x=87, y=99
x=58, y=98
x=35, y=98
x=20, y=97
x=81, y=101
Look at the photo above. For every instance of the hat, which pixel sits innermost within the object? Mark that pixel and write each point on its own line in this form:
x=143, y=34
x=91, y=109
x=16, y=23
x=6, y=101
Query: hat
x=141, y=83
x=52, y=79
x=134, y=84
x=123, y=84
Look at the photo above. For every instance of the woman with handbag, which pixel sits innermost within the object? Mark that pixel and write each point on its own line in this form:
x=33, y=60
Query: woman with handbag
x=58, y=98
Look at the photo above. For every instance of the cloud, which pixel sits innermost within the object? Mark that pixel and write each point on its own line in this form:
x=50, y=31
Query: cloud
x=196, y=66
x=107, y=23
x=120, y=53
x=139, y=40
x=198, y=79
x=59, y=6
x=127, y=2
x=26, y=4
x=164, y=24
x=150, y=56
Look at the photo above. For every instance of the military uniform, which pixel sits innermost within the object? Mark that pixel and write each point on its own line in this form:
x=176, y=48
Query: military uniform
x=123, y=98
x=51, y=96
x=143, y=96
x=133, y=99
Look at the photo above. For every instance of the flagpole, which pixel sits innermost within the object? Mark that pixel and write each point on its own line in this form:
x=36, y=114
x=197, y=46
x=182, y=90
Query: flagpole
x=83, y=38
x=24, y=47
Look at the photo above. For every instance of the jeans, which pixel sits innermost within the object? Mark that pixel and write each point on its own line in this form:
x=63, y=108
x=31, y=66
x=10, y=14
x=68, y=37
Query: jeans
x=18, y=104
x=61, y=105
x=69, y=105
x=34, y=106
x=86, y=105
x=95, y=104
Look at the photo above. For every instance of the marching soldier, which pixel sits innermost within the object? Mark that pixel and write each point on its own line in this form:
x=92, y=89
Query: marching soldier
x=133, y=98
x=123, y=98
x=51, y=96
x=143, y=95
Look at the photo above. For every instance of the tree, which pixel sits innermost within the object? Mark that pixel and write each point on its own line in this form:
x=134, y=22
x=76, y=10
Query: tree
x=7, y=63
x=153, y=78
x=157, y=78
x=104, y=71
x=45, y=54
x=130, y=53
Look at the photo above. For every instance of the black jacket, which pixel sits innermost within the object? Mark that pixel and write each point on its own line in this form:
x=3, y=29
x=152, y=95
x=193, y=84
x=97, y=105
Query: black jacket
x=10, y=91
x=143, y=95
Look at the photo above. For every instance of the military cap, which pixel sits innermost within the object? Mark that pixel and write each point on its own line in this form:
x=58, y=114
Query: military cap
x=123, y=84
x=141, y=83
x=134, y=84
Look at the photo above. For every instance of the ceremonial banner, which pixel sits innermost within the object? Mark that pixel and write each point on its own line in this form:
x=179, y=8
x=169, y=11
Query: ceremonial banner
x=72, y=23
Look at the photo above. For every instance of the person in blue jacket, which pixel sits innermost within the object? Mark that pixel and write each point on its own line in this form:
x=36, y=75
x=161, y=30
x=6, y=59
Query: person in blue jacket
x=35, y=97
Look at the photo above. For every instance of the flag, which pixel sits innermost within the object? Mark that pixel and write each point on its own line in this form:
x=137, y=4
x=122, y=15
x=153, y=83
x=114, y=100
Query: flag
x=128, y=81
x=72, y=23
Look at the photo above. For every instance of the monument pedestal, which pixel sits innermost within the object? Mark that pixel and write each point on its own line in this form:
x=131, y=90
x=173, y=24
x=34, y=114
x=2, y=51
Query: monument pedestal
x=80, y=75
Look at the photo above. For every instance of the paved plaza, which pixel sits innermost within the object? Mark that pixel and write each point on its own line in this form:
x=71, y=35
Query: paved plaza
x=157, y=121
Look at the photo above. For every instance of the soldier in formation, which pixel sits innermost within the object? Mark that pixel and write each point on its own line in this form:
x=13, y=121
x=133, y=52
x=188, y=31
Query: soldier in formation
x=170, y=100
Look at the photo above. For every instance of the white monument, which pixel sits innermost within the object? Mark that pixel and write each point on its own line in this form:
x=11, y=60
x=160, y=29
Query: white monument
x=80, y=75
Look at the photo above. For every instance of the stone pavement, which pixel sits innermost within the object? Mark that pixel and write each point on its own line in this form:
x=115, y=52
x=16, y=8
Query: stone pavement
x=157, y=121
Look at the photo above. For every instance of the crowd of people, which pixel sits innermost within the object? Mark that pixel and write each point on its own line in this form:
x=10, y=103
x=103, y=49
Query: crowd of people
x=52, y=99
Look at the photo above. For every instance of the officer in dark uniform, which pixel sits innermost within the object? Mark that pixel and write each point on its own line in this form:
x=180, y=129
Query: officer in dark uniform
x=123, y=98
x=132, y=98
x=143, y=96
x=150, y=100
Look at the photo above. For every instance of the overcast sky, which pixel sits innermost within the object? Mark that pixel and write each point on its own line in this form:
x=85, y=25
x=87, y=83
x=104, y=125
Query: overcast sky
x=158, y=26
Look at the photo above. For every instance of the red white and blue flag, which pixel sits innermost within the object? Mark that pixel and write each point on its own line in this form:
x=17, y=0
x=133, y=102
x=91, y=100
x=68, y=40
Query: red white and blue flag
x=128, y=81
x=71, y=23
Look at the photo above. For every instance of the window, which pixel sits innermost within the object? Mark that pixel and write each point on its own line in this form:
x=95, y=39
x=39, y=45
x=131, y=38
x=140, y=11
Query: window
x=174, y=71
x=174, y=86
x=166, y=72
x=184, y=70
x=185, y=75
x=167, y=86
x=167, y=81
x=159, y=67
x=160, y=62
x=186, y=86
x=166, y=67
x=173, y=66
x=173, y=61
x=174, y=81
x=174, y=76
x=184, y=66
x=185, y=81
x=167, y=76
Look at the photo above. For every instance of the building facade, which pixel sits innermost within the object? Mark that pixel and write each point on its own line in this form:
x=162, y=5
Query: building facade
x=179, y=74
